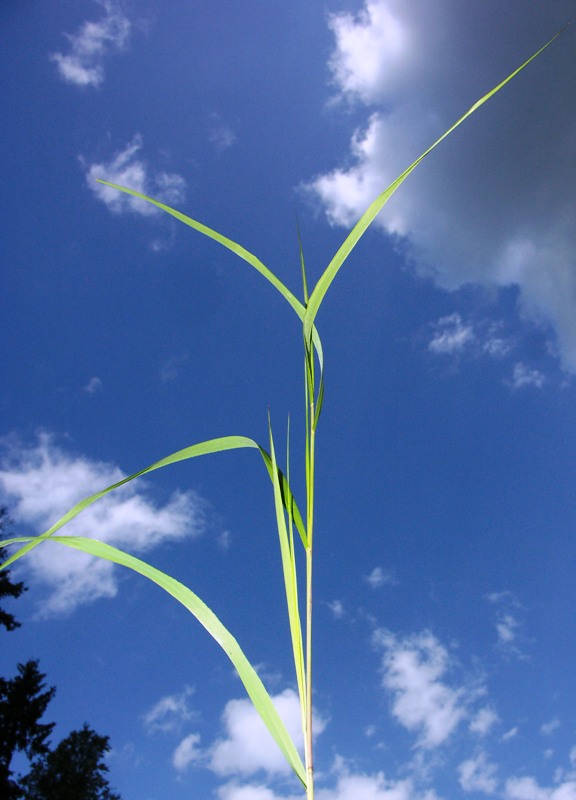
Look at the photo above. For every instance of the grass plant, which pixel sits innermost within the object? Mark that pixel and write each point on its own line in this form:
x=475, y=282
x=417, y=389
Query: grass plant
x=295, y=529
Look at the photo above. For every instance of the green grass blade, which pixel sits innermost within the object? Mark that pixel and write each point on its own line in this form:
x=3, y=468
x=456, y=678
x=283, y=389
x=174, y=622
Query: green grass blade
x=236, y=248
x=254, y=686
x=302, y=265
x=203, y=448
x=290, y=580
x=376, y=206
x=223, y=240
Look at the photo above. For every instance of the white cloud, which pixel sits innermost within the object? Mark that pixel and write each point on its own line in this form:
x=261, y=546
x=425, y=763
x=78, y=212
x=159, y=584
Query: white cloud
x=451, y=335
x=483, y=721
x=478, y=775
x=234, y=791
x=374, y=787
x=169, y=712
x=83, y=65
x=524, y=376
x=380, y=577
x=511, y=638
x=248, y=746
x=337, y=609
x=349, y=786
x=221, y=135
x=413, y=669
x=42, y=481
x=126, y=168
x=527, y=788
x=187, y=752
x=494, y=205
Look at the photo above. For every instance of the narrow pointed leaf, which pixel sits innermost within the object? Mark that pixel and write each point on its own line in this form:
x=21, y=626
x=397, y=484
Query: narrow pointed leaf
x=236, y=248
x=376, y=206
x=203, y=448
x=254, y=686
x=290, y=580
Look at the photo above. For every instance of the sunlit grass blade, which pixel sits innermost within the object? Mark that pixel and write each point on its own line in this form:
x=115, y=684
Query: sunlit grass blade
x=290, y=580
x=236, y=248
x=202, y=448
x=254, y=686
x=302, y=265
x=376, y=206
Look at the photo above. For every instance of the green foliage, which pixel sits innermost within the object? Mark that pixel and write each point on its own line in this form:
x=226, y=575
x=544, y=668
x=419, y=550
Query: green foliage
x=8, y=588
x=75, y=770
x=23, y=701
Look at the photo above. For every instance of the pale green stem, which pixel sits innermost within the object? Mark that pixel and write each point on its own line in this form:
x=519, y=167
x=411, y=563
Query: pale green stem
x=309, y=532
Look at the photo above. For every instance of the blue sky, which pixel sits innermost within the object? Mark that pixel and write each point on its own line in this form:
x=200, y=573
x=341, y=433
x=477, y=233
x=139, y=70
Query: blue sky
x=445, y=610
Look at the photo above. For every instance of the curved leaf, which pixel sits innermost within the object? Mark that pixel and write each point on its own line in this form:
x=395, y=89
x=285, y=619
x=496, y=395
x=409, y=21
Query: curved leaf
x=202, y=448
x=254, y=686
x=236, y=248
x=376, y=206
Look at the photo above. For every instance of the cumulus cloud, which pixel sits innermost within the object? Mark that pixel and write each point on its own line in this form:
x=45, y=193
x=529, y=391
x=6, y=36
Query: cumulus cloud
x=248, y=746
x=90, y=46
x=169, y=712
x=528, y=788
x=414, y=671
x=494, y=205
x=235, y=791
x=374, y=787
x=349, y=786
x=126, y=168
x=42, y=481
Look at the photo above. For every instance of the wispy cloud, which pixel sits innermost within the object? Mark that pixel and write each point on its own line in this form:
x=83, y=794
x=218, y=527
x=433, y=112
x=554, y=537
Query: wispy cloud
x=524, y=376
x=509, y=629
x=450, y=335
x=91, y=45
x=42, y=481
x=220, y=134
x=170, y=712
x=172, y=368
x=481, y=210
x=337, y=608
x=94, y=385
x=127, y=168
x=380, y=577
